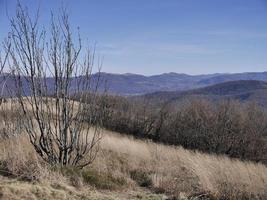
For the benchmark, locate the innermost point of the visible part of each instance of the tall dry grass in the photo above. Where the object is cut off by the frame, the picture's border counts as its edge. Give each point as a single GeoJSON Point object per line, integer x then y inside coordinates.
{"type": "Point", "coordinates": [181, 172]}
{"type": "Point", "coordinates": [172, 170]}
{"type": "Point", "coordinates": [19, 160]}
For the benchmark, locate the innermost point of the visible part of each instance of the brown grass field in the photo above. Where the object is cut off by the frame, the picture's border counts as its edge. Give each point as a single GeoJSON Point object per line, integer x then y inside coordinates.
{"type": "Point", "coordinates": [127, 168]}
{"type": "Point", "coordinates": [174, 171]}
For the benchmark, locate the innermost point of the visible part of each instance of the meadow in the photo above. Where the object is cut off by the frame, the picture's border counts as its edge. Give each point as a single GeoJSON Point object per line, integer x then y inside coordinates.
{"type": "Point", "coordinates": [128, 168]}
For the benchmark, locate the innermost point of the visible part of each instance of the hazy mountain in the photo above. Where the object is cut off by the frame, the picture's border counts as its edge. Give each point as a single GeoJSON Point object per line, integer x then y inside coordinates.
{"type": "Point", "coordinates": [261, 76]}
{"type": "Point", "coordinates": [243, 90]}
{"type": "Point", "coordinates": [134, 84]}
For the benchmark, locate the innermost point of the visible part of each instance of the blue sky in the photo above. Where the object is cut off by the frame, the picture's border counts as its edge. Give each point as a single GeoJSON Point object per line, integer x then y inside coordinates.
{"type": "Point", "coordinates": [157, 36]}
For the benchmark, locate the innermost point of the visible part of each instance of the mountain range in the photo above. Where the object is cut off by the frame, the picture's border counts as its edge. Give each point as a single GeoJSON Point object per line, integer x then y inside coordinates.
{"type": "Point", "coordinates": [134, 84]}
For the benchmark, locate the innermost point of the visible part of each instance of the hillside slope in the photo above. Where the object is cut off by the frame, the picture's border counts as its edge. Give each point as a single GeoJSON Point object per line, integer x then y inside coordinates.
{"type": "Point", "coordinates": [244, 90]}
{"type": "Point", "coordinates": [124, 164]}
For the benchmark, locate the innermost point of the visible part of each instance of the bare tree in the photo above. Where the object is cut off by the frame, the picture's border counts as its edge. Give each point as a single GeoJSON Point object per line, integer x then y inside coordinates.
{"type": "Point", "coordinates": [3, 62]}
{"type": "Point", "coordinates": [51, 79]}
{"type": "Point", "coordinates": [5, 123]}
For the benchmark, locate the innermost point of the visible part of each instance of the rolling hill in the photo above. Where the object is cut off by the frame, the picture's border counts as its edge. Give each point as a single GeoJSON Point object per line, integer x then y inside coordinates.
{"type": "Point", "coordinates": [243, 90]}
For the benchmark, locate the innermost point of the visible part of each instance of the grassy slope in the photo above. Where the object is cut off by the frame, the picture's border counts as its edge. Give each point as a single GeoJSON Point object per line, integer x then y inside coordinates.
{"type": "Point", "coordinates": [12, 189]}
{"type": "Point", "coordinates": [174, 171]}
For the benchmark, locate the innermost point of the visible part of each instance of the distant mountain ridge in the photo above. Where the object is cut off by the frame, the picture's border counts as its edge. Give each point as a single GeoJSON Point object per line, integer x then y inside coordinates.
{"type": "Point", "coordinates": [260, 76]}
{"type": "Point", "coordinates": [242, 90]}
{"type": "Point", "coordinates": [134, 84]}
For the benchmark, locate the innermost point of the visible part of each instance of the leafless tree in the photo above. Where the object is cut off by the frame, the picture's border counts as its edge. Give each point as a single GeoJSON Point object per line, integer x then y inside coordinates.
{"type": "Point", "coordinates": [3, 62]}
{"type": "Point", "coordinates": [52, 75]}
{"type": "Point", "coordinates": [9, 123]}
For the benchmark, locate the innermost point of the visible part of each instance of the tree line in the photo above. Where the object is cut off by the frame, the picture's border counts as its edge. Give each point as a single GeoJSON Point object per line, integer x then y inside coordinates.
{"type": "Point", "coordinates": [228, 127]}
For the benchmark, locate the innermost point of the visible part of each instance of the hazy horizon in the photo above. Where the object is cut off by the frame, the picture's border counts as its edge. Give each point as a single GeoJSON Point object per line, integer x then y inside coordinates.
{"type": "Point", "coordinates": [155, 37]}
{"type": "Point", "coordinates": [129, 73]}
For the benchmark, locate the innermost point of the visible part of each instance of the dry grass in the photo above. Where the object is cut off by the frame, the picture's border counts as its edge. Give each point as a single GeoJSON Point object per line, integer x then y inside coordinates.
{"type": "Point", "coordinates": [181, 172]}
{"type": "Point", "coordinates": [172, 170]}
{"type": "Point", "coordinates": [16, 190]}
{"type": "Point", "coordinates": [24, 176]}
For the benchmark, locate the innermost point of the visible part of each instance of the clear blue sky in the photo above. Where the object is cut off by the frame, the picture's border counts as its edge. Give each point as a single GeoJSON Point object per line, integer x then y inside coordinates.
{"type": "Point", "coordinates": [156, 36]}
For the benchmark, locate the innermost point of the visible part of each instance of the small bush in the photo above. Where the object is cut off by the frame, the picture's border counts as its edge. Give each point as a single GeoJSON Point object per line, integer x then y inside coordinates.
{"type": "Point", "coordinates": [92, 177]}
{"type": "Point", "coordinates": [142, 178]}
{"type": "Point", "coordinates": [74, 175]}
{"type": "Point", "coordinates": [4, 170]}
{"type": "Point", "coordinates": [27, 171]}
{"type": "Point", "coordinates": [102, 180]}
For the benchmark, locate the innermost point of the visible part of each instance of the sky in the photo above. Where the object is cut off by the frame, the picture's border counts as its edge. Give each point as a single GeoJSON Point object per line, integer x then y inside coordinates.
{"type": "Point", "coordinates": [159, 36]}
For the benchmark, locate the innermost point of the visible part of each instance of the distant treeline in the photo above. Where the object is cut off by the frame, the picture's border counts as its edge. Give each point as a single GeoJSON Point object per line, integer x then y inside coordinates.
{"type": "Point", "coordinates": [236, 129]}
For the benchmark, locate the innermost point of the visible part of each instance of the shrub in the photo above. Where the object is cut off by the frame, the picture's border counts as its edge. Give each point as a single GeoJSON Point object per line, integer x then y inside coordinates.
{"type": "Point", "coordinates": [74, 175]}
{"type": "Point", "coordinates": [92, 177]}
{"type": "Point", "coordinates": [142, 178]}
{"type": "Point", "coordinates": [102, 180]}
